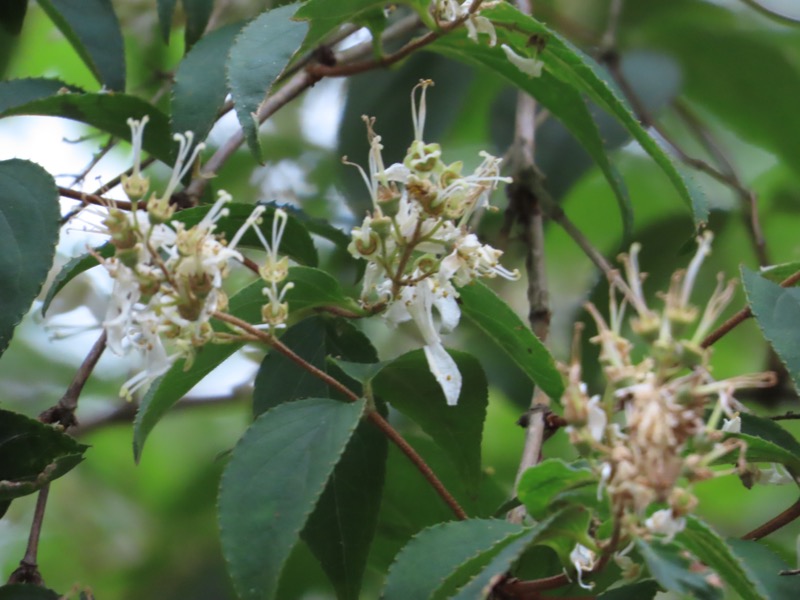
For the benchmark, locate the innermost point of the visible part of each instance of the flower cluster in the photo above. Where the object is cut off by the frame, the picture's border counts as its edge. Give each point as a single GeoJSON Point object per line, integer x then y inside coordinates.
{"type": "Point", "coordinates": [663, 443]}
{"type": "Point", "coordinates": [168, 278]}
{"type": "Point", "coordinates": [448, 11]}
{"type": "Point", "coordinates": [417, 242]}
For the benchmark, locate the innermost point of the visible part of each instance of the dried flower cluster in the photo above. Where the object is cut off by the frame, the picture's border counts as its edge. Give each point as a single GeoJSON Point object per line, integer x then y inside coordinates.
{"type": "Point", "coordinates": [417, 241]}
{"type": "Point", "coordinates": [168, 279]}
{"type": "Point", "coordinates": [647, 437]}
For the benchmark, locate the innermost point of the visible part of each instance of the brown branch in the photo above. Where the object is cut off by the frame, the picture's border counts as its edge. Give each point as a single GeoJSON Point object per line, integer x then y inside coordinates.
{"type": "Point", "coordinates": [390, 432]}
{"type": "Point", "coordinates": [741, 316]}
{"type": "Point", "coordinates": [786, 517]}
{"type": "Point", "coordinates": [93, 199]}
{"type": "Point", "coordinates": [64, 410]}
{"type": "Point", "coordinates": [372, 415]}
{"type": "Point", "coordinates": [28, 570]}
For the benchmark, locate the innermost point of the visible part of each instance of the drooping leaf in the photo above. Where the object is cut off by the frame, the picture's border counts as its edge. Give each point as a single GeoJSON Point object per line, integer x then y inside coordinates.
{"type": "Point", "coordinates": [430, 557]}
{"type": "Point", "coordinates": [712, 550]}
{"type": "Point", "coordinates": [29, 224]}
{"type": "Point", "coordinates": [565, 529]}
{"type": "Point", "coordinates": [770, 431]}
{"type": "Point", "coordinates": [92, 28]}
{"type": "Point", "coordinates": [340, 530]}
{"type": "Point", "coordinates": [32, 454]}
{"type": "Point", "coordinates": [494, 317]}
{"type": "Point", "coordinates": [197, 14]}
{"type": "Point", "coordinates": [673, 571]}
{"type": "Point", "coordinates": [258, 56]}
{"type": "Point", "coordinates": [274, 479]}
{"type": "Point", "coordinates": [72, 269]}
{"type": "Point", "coordinates": [765, 566]}
{"type": "Point", "coordinates": [408, 385]}
{"type": "Point", "coordinates": [107, 112]}
{"type": "Point", "coordinates": [777, 311]}
{"type": "Point", "coordinates": [566, 71]}
{"type": "Point", "coordinates": [361, 372]}
{"type": "Point", "coordinates": [200, 86]}
{"type": "Point", "coordinates": [540, 484]}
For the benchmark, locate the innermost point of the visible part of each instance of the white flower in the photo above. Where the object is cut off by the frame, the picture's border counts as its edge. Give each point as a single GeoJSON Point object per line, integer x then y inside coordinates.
{"type": "Point", "coordinates": [583, 559]}
{"type": "Point", "coordinates": [532, 67]}
{"type": "Point", "coordinates": [419, 301]}
{"type": "Point", "coordinates": [663, 522]}
{"type": "Point", "coordinates": [733, 425]}
{"type": "Point", "coordinates": [776, 474]}
{"type": "Point", "coordinates": [597, 419]}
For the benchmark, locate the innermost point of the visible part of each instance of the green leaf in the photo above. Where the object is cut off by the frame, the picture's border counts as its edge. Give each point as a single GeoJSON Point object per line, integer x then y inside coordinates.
{"type": "Point", "coordinates": [673, 571]}
{"type": "Point", "coordinates": [642, 590]}
{"type": "Point", "coordinates": [166, 9]}
{"type": "Point", "coordinates": [314, 288]}
{"type": "Point", "coordinates": [32, 454]}
{"type": "Point", "coordinates": [760, 450]}
{"type": "Point", "coordinates": [326, 16]}
{"type": "Point", "coordinates": [492, 315]}
{"type": "Point", "coordinates": [197, 14]}
{"type": "Point", "coordinates": [12, 15]}
{"type": "Point", "coordinates": [275, 476]}
{"type": "Point", "coordinates": [280, 379]}
{"type": "Point", "coordinates": [29, 225]}
{"type": "Point", "coordinates": [540, 484]}
{"type": "Point", "coordinates": [107, 112]}
{"type": "Point", "coordinates": [777, 311]}
{"type": "Point", "coordinates": [480, 586]}
{"type": "Point", "coordinates": [562, 99]}
{"type": "Point", "coordinates": [257, 57]}
{"type": "Point", "coordinates": [566, 528]}
{"type": "Point", "coordinates": [424, 564]}
{"type": "Point", "coordinates": [778, 273]}
{"type": "Point", "coordinates": [770, 431]}
{"type": "Point", "coordinates": [92, 28]}
{"type": "Point", "coordinates": [340, 530]}
{"type": "Point", "coordinates": [296, 242]}
{"type": "Point", "coordinates": [567, 70]}
{"type": "Point", "coordinates": [172, 386]}
{"type": "Point", "coordinates": [200, 86]}
{"type": "Point", "coordinates": [712, 550]}
{"type": "Point", "coordinates": [764, 566]}
{"type": "Point", "coordinates": [72, 269]}
{"type": "Point", "coordinates": [361, 372]}
{"type": "Point", "coordinates": [407, 384]}
{"type": "Point", "coordinates": [23, 591]}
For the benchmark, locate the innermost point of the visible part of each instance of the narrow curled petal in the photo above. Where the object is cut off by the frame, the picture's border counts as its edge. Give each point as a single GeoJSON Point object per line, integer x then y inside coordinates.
{"type": "Point", "coordinates": [445, 370]}
{"type": "Point", "coordinates": [532, 67]}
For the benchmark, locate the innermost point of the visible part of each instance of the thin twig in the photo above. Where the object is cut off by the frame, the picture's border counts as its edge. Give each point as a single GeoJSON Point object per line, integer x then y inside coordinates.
{"type": "Point", "coordinates": [786, 517]}
{"type": "Point", "coordinates": [390, 432]}
{"type": "Point", "coordinates": [28, 570]}
{"type": "Point", "coordinates": [64, 410]}
{"type": "Point", "coordinates": [789, 416]}
{"type": "Point", "coordinates": [741, 316]}
{"type": "Point", "coordinates": [523, 206]}
{"type": "Point", "coordinates": [372, 415]}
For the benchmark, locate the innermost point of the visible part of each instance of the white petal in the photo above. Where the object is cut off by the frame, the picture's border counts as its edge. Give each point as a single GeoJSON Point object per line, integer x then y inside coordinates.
{"type": "Point", "coordinates": [532, 67]}
{"type": "Point", "coordinates": [445, 371]}
{"type": "Point", "coordinates": [448, 308]}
